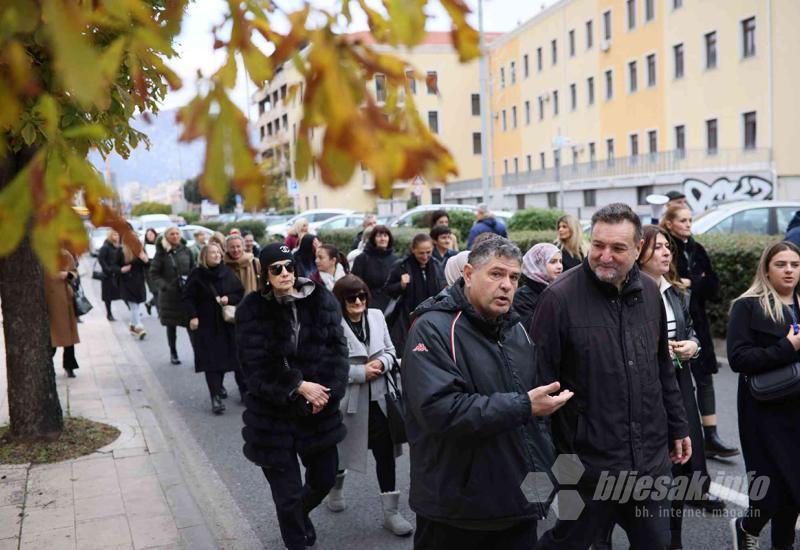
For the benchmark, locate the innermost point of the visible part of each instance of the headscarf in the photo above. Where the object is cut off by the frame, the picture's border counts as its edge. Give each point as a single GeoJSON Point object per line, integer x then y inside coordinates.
{"type": "Point", "coordinates": [454, 268]}
{"type": "Point", "coordinates": [534, 263]}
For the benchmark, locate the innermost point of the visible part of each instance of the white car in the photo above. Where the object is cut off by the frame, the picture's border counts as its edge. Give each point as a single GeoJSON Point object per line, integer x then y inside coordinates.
{"type": "Point", "coordinates": [345, 221]}
{"type": "Point", "coordinates": [407, 219]}
{"type": "Point", "coordinates": [314, 217]}
{"type": "Point", "coordinates": [754, 217]}
{"type": "Point", "coordinates": [96, 239]}
{"type": "Point", "coordinates": [188, 231]}
{"type": "Point", "coordinates": [159, 222]}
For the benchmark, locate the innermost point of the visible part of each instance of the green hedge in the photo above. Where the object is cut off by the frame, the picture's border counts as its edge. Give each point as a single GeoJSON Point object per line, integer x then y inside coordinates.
{"type": "Point", "coordinates": [534, 219]}
{"type": "Point", "coordinates": [735, 259]}
{"type": "Point", "coordinates": [460, 222]}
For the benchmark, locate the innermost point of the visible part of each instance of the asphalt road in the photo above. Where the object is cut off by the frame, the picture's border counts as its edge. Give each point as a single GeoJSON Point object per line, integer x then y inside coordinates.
{"type": "Point", "coordinates": [360, 525]}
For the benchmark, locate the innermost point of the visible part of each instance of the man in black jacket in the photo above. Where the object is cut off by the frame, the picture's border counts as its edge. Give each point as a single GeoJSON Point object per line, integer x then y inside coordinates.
{"type": "Point", "coordinates": [601, 330]}
{"type": "Point", "coordinates": [469, 380]}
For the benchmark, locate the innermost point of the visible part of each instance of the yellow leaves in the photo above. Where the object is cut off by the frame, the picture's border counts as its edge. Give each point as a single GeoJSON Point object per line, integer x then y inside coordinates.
{"type": "Point", "coordinates": [407, 20]}
{"type": "Point", "coordinates": [465, 39]}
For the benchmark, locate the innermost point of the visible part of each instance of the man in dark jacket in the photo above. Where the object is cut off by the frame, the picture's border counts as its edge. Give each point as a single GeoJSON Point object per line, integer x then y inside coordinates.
{"type": "Point", "coordinates": [471, 403]}
{"type": "Point", "coordinates": [793, 230]}
{"type": "Point", "coordinates": [601, 330]}
{"type": "Point", "coordinates": [485, 222]}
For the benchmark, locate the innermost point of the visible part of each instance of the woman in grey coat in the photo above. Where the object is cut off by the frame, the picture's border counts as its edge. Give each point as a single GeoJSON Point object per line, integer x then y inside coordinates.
{"type": "Point", "coordinates": [372, 358]}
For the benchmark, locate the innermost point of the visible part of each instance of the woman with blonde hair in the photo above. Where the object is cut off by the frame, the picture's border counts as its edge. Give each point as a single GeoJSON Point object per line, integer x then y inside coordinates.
{"type": "Point", "coordinates": [110, 259]}
{"type": "Point", "coordinates": [211, 286]}
{"type": "Point", "coordinates": [574, 247]}
{"type": "Point", "coordinates": [298, 230]}
{"type": "Point", "coordinates": [764, 337]}
{"type": "Point", "coordinates": [132, 287]}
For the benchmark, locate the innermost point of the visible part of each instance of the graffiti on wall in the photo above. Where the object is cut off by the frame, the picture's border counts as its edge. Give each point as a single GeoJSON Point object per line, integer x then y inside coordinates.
{"type": "Point", "coordinates": [702, 196]}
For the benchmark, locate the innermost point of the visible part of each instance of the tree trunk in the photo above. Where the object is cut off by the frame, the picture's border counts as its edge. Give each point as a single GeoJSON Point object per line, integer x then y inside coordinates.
{"type": "Point", "coordinates": [33, 405]}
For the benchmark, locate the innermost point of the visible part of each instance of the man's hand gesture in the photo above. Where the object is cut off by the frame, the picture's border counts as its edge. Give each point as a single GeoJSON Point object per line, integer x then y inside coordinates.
{"type": "Point", "coordinates": [544, 404]}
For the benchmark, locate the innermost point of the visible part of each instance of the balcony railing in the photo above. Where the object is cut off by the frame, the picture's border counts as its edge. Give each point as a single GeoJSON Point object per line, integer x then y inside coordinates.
{"type": "Point", "coordinates": [648, 163]}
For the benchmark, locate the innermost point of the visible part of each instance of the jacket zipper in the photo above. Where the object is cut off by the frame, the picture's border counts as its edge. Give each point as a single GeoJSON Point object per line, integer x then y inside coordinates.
{"type": "Point", "coordinates": [628, 375]}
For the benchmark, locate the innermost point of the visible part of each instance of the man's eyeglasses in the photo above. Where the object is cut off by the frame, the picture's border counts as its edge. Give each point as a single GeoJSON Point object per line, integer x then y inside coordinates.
{"type": "Point", "coordinates": [277, 269]}
{"type": "Point", "coordinates": [360, 296]}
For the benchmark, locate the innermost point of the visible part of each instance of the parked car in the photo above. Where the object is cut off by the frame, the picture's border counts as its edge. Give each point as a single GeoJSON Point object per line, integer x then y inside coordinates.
{"type": "Point", "coordinates": [407, 219]}
{"type": "Point", "coordinates": [96, 239]}
{"type": "Point", "coordinates": [314, 217]}
{"type": "Point", "coordinates": [159, 222]}
{"type": "Point", "coordinates": [345, 221]}
{"type": "Point", "coordinates": [188, 231]}
{"type": "Point", "coordinates": [757, 217]}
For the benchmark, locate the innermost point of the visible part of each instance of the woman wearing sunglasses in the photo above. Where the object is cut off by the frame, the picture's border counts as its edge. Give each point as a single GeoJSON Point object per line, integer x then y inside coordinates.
{"type": "Point", "coordinates": [372, 358]}
{"type": "Point", "coordinates": [294, 359]}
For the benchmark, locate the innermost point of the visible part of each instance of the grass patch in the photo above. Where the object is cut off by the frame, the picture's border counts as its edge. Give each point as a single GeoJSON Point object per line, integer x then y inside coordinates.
{"type": "Point", "coordinates": [80, 437]}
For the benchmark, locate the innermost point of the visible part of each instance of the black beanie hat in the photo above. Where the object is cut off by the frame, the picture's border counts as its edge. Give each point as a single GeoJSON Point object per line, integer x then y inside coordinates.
{"type": "Point", "coordinates": [274, 252]}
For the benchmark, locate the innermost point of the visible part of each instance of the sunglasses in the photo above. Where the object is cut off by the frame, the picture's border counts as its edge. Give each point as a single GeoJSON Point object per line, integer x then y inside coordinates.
{"type": "Point", "coordinates": [360, 296]}
{"type": "Point", "coordinates": [277, 269]}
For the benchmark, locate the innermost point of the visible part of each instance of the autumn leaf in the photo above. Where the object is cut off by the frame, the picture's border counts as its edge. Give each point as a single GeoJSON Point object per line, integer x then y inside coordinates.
{"type": "Point", "coordinates": [465, 39]}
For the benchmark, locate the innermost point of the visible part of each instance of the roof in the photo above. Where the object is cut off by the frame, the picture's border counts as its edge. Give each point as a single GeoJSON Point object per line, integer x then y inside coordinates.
{"type": "Point", "coordinates": [432, 38]}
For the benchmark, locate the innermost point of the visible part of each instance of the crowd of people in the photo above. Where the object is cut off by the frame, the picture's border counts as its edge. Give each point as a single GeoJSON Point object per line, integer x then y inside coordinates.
{"type": "Point", "coordinates": [598, 348]}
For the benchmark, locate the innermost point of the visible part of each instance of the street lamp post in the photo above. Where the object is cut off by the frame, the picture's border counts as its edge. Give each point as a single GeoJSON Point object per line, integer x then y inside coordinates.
{"type": "Point", "coordinates": [484, 103]}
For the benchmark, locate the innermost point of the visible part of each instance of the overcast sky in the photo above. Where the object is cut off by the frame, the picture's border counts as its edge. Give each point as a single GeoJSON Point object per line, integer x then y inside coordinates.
{"type": "Point", "coordinates": [195, 41]}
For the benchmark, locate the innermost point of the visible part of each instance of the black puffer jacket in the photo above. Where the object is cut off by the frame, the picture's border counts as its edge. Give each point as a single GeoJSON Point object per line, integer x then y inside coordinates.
{"type": "Point", "coordinates": [694, 264]}
{"type": "Point", "coordinates": [472, 434]}
{"type": "Point", "coordinates": [610, 348]}
{"type": "Point", "coordinates": [525, 301]}
{"type": "Point", "coordinates": [168, 266]}
{"type": "Point", "coordinates": [276, 421]}
{"type": "Point", "coordinates": [373, 267]}
{"type": "Point", "coordinates": [111, 261]}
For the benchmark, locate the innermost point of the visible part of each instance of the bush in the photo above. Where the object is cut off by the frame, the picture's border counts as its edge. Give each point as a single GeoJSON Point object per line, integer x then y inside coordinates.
{"type": "Point", "coordinates": [213, 226]}
{"type": "Point", "coordinates": [735, 259]}
{"type": "Point", "coordinates": [534, 219]}
{"type": "Point", "coordinates": [149, 207]}
{"type": "Point", "coordinates": [343, 238]}
{"type": "Point", "coordinates": [526, 239]}
{"type": "Point", "coordinates": [190, 217]}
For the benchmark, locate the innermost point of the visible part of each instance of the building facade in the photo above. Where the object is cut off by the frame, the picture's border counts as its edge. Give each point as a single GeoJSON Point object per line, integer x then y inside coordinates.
{"type": "Point", "coordinates": [595, 101]}
{"type": "Point", "coordinates": [451, 109]}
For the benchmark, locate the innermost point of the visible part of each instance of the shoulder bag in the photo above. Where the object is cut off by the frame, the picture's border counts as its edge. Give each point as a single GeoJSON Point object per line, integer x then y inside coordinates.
{"type": "Point", "coordinates": [82, 303]}
{"type": "Point", "coordinates": [777, 384]}
{"type": "Point", "coordinates": [97, 272]}
{"type": "Point", "coordinates": [395, 408]}
{"type": "Point", "coordinates": [228, 312]}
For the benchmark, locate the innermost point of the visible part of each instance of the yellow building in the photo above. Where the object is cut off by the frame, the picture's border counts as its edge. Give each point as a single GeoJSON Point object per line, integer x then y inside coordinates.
{"type": "Point", "coordinates": [611, 100]}
{"type": "Point", "coordinates": [453, 113]}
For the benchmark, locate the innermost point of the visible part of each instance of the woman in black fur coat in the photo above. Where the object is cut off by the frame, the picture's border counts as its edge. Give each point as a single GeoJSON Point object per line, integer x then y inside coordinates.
{"type": "Point", "coordinates": [294, 359]}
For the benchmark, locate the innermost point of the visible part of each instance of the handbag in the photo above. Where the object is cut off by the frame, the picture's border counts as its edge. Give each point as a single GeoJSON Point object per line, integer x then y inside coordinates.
{"type": "Point", "coordinates": [228, 312]}
{"type": "Point", "coordinates": [97, 273]}
{"type": "Point", "coordinates": [395, 410]}
{"type": "Point", "coordinates": [777, 384]}
{"type": "Point", "coordinates": [82, 303]}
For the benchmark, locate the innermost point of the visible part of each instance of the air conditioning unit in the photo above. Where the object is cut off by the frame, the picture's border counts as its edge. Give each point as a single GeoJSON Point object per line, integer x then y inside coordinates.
{"type": "Point", "coordinates": [605, 45]}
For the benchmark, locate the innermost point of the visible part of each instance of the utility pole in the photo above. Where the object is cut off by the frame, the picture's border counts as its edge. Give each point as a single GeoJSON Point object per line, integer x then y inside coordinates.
{"type": "Point", "coordinates": [484, 101]}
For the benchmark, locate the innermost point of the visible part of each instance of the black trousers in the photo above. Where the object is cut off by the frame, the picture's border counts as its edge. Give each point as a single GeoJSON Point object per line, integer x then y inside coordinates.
{"type": "Point", "coordinates": [172, 337]}
{"type": "Point", "coordinates": [214, 381]}
{"type": "Point", "coordinates": [379, 440]}
{"type": "Point", "coordinates": [294, 499]}
{"type": "Point", "coordinates": [704, 381]}
{"type": "Point", "coordinates": [68, 359]}
{"type": "Point", "coordinates": [783, 523]}
{"type": "Point", "coordinates": [433, 535]}
{"type": "Point", "coordinates": [645, 522]}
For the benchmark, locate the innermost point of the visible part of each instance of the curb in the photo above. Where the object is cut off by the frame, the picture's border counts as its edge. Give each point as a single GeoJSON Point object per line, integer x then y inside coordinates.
{"type": "Point", "coordinates": [222, 514]}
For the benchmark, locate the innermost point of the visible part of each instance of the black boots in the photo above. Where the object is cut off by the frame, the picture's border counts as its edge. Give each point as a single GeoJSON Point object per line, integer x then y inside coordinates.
{"type": "Point", "coordinates": [715, 446]}
{"type": "Point", "coordinates": [217, 406]}
{"type": "Point", "coordinates": [70, 372]}
{"type": "Point", "coordinates": [223, 393]}
{"type": "Point", "coordinates": [173, 358]}
{"type": "Point", "coordinates": [311, 533]}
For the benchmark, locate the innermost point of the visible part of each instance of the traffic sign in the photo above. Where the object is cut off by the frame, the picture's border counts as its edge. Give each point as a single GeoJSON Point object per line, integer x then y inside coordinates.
{"type": "Point", "coordinates": [292, 187]}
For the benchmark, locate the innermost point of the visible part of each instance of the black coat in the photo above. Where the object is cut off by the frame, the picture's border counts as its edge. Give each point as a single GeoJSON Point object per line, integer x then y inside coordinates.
{"type": "Point", "coordinates": [469, 421]}
{"type": "Point", "coordinates": [167, 267]}
{"type": "Point", "coordinates": [568, 260]}
{"type": "Point", "coordinates": [373, 267]}
{"type": "Point", "coordinates": [525, 301]}
{"type": "Point", "coordinates": [684, 330]}
{"type": "Point", "coordinates": [694, 264]}
{"type": "Point", "coordinates": [132, 284]}
{"type": "Point", "coordinates": [610, 348]}
{"type": "Point", "coordinates": [417, 291]}
{"type": "Point", "coordinates": [214, 341]}
{"type": "Point", "coordinates": [769, 432]}
{"type": "Point", "coordinates": [111, 261]}
{"type": "Point", "coordinates": [278, 422]}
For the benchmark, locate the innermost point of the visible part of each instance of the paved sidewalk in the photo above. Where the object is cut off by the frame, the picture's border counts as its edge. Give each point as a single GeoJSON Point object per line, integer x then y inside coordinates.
{"type": "Point", "coordinates": [131, 494]}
